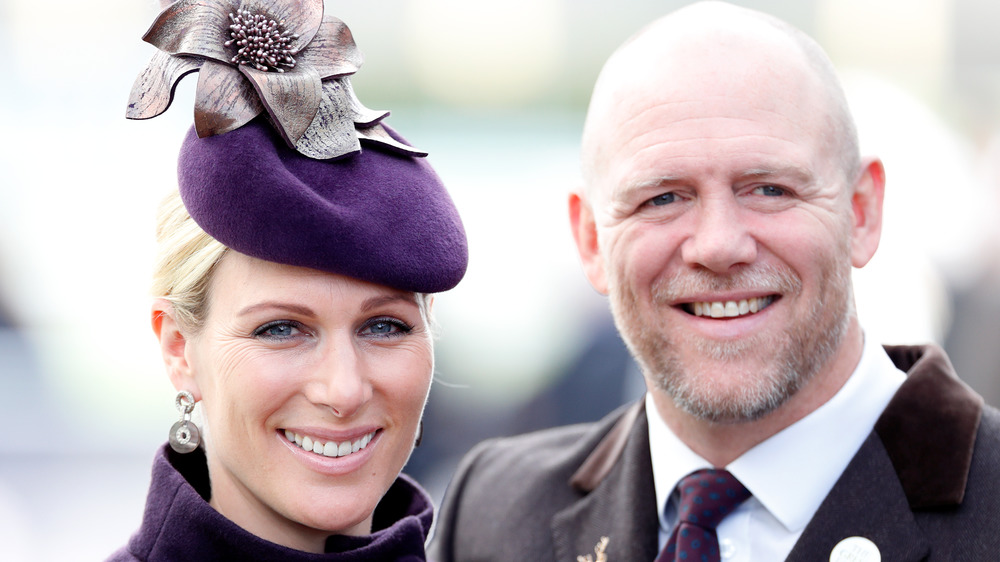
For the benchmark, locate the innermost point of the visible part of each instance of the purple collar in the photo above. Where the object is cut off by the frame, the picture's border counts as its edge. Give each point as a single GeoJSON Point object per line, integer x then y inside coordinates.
{"type": "Point", "coordinates": [179, 524]}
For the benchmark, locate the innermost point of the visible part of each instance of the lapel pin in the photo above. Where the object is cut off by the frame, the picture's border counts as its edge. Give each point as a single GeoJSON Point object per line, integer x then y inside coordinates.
{"type": "Point", "coordinates": [602, 545]}
{"type": "Point", "coordinates": [855, 549]}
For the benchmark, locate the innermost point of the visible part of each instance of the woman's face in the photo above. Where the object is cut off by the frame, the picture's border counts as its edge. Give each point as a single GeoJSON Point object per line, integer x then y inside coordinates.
{"type": "Point", "coordinates": [312, 386]}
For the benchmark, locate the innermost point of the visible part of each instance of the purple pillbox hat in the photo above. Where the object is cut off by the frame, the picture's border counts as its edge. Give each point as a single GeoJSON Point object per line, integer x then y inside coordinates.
{"type": "Point", "coordinates": [377, 216]}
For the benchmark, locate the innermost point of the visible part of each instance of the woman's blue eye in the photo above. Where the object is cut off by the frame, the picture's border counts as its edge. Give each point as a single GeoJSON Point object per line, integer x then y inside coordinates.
{"type": "Point", "coordinates": [664, 199]}
{"type": "Point", "coordinates": [386, 327]}
{"type": "Point", "coordinates": [276, 330]}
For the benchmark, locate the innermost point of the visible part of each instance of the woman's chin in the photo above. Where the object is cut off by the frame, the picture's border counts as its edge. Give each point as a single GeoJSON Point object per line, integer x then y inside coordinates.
{"type": "Point", "coordinates": [336, 520]}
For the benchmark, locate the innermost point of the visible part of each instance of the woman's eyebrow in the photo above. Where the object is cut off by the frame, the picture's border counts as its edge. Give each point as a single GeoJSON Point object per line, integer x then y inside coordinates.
{"type": "Point", "coordinates": [290, 307]}
{"type": "Point", "coordinates": [375, 302]}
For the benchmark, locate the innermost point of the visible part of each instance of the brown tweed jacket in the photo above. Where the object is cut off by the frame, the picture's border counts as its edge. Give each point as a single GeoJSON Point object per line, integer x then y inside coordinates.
{"type": "Point", "coordinates": [925, 485]}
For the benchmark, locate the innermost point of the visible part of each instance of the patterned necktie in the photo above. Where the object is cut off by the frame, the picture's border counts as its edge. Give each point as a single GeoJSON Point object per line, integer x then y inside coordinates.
{"type": "Point", "coordinates": [707, 496]}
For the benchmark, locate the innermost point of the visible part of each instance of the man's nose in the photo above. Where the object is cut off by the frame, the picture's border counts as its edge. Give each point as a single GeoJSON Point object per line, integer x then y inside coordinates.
{"type": "Point", "coordinates": [719, 239]}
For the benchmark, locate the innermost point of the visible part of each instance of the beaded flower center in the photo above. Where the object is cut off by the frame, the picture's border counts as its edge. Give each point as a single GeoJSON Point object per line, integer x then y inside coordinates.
{"type": "Point", "coordinates": [262, 42]}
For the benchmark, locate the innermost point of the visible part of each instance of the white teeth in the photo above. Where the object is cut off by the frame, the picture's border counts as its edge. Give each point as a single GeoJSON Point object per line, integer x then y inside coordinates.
{"type": "Point", "coordinates": [331, 448]}
{"type": "Point", "coordinates": [731, 309]}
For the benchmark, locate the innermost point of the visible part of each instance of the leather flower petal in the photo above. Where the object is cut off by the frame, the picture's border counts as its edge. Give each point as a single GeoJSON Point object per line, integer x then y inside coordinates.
{"type": "Point", "coordinates": [331, 134]}
{"type": "Point", "coordinates": [297, 69]}
{"type": "Point", "coordinates": [363, 117]}
{"type": "Point", "coordinates": [291, 98]}
{"type": "Point", "coordinates": [377, 133]}
{"type": "Point", "coordinates": [332, 51]}
{"type": "Point", "coordinates": [224, 101]}
{"type": "Point", "coordinates": [153, 90]}
{"type": "Point", "coordinates": [193, 27]}
{"type": "Point", "coordinates": [295, 16]}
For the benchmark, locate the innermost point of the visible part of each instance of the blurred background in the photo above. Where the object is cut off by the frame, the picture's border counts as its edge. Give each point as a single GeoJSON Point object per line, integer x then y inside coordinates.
{"type": "Point", "coordinates": [496, 93]}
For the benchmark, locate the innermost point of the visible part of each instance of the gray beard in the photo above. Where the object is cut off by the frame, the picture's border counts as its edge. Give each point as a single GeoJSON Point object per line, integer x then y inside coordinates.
{"type": "Point", "coordinates": [806, 347]}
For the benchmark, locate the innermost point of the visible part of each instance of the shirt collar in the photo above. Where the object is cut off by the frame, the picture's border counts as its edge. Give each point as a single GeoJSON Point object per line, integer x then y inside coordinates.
{"type": "Point", "coordinates": [791, 472]}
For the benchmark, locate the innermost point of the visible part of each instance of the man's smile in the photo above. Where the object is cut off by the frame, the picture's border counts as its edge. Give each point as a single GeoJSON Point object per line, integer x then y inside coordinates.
{"type": "Point", "coordinates": [730, 308]}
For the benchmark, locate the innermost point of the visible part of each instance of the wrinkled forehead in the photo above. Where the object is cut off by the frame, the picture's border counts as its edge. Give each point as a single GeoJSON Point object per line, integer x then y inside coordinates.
{"type": "Point", "coordinates": [705, 80]}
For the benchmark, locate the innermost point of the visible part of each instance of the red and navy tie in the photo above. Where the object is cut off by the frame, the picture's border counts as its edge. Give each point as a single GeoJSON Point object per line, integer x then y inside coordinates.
{"type": "Point", "coordinates": [707, 496]}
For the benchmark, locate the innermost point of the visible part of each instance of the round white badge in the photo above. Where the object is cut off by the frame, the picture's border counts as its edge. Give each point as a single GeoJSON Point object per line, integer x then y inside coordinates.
{"type": "Point", "coordinates": [855, 549]}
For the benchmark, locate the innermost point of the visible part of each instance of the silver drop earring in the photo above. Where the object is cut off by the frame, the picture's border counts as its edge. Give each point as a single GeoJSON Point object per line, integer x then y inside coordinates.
{"type": "Point", "coordinates": [184, 435]}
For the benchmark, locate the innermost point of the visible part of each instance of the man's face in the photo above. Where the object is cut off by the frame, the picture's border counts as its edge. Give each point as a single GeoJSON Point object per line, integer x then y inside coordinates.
{"type": "Point", "coordinates": [724, 228]}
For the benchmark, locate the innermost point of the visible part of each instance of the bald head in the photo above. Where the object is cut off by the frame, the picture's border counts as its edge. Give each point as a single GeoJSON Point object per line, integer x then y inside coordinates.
{"type": "Point", "coordinates": [713, 50]}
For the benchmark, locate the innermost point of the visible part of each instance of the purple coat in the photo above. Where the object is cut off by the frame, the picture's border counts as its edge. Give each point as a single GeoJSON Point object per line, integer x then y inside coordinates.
{"type": "Point", "coordinates": [179, 524]}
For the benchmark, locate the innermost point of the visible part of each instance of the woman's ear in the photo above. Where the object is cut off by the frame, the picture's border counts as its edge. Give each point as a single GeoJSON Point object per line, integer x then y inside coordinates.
{"type": "Point", "coordinates": [866, 206]}
{"type": "Point", "coordinates": [584, 227]}
{"type": "Point", "coordinates": [174, 348]}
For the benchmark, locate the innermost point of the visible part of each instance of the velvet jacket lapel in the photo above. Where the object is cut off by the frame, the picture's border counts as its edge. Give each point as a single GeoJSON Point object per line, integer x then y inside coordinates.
{"type": "Point", "coordinates": [618, 500]}
{"type": "Point", "coordinates": [917, 459]}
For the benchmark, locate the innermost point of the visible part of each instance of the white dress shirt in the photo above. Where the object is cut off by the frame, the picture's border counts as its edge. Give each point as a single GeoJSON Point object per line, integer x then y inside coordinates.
{"type": "Point", "coordinates": [790, 473]}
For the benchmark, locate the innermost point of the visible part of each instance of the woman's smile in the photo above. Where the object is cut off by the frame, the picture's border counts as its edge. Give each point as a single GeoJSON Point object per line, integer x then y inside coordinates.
{"type": "Point", "coordinates": [331, 448]}
{"type": "Point", "coordinates": [363, 451]}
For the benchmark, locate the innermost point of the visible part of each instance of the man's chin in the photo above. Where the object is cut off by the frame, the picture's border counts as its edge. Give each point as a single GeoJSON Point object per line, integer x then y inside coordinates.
{"type": "Point", "coordinates": [719, 410]}
{"type": "Point", "coordinates": [730, 393]}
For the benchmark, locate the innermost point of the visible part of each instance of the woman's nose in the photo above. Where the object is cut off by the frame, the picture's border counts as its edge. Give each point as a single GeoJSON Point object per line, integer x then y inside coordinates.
{"type": "Point", "coordinates": [720, 238]}
{"type": "Point", "coordinates": [340, 382]}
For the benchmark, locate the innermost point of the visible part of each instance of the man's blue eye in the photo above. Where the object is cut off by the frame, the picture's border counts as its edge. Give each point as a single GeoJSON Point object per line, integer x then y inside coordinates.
{"type": "Point", "coordinates": [665, 199]}
{"type": "Point", "coordinates": [770, 191]}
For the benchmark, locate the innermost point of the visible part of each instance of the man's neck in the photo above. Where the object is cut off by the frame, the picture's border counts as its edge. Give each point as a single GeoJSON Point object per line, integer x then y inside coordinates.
{"type": "Point", "coordinates": [722, 443]}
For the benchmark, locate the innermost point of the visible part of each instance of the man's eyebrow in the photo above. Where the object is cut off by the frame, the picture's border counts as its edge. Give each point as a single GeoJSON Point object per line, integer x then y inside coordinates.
{"type": "Point", "coordinates": [661, 181]}
{"type": "Point", "coordinates": [795, 172]}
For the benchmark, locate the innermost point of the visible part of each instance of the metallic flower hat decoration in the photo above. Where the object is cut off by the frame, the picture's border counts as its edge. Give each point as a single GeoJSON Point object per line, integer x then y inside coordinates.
{"type": "Point", "coordinates": [282, 56]}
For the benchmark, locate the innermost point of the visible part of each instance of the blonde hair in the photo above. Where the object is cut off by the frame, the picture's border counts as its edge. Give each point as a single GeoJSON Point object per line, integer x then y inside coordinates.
{"type": "Point", "coordinates": [186, 258]}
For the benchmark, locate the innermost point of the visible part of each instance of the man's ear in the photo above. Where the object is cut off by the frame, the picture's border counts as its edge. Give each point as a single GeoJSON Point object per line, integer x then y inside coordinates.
{"type": "Point", "coordinates": [866, 208]}
{"type": "Point", "coordinates": [174, 348]}
{"type": "Point", "coordinates": [584, 227]}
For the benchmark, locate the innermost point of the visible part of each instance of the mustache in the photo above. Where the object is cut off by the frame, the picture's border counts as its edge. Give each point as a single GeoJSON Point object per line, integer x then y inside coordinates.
{"type": "Point", "coordinates": [758, 278]}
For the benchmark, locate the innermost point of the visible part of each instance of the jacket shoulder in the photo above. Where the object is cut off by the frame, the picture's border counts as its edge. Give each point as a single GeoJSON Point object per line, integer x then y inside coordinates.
{"type": "Point", "coordinates": [944, 444]}
{"type": "Point", "coordinates": [984, 474]}
{"type": "Point", "coordinates": [971, 529]}
{"type": "Point", "coordinates": [504, 471]}
{"type": "Point", "coordinates": [501, 501]}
